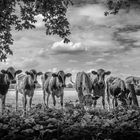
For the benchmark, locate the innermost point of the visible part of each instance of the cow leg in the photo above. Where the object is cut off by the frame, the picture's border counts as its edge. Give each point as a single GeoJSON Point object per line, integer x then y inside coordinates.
{"type": "Point", "coordinates": [108, 98]}
{"type": "Point", "coordinates": [54, 101]}
{"type": "Point", "coordinates": [48, 95]}
{"type": "Point", "coordinates": [94, 103]}
{"type": "Point", "coordinates": [44, 98]}
{"type": "Point", "coordinates": [103, 101]}
{"type": "Point", "coordinates": [16, 100]}
{"type": "Point", "coordinates": [80, 96]}
{"type": "Point", "coordinates": [30, 102]}
{"type": "Point", "coordinates": [113, 102]}
{"type": "Point", "coordinates": [61, 100]}
{"type": "Point", "coordinates": [130, 98]}
{"type": "Point", "coordinates": [24, 101]}
{"type": "Point", "coordinates": [3, 103]}
{"type": "Point", "coordinates": [116, 102]}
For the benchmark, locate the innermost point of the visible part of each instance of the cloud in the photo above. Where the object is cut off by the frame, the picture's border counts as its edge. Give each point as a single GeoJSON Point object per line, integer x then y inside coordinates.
{"type": "Point", "coordinates": [72, 61]}
{"type": "Point", "coordinates": [90, 63]}
{"type": "Point", "coordinates": [30, 63]}
{"type": "Point", "coordinates": [97, 41]}
{"type": "Point", "coordinates": [43, 53]}
{"type": "Point", "coordinates": [39, 23]}
{"type": "Point", "coordinates": [100, 60]}
{"type": "Point", "coordinates": [54, 69]}
{"type": "Point", "coordinates": [68, 48]}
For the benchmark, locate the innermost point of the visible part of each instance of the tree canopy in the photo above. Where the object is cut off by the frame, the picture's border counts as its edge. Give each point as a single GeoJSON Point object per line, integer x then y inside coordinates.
{"type": "Point", "coordinates": [115, 5]}
{"type": "Point", "coordinates": [53, 11]}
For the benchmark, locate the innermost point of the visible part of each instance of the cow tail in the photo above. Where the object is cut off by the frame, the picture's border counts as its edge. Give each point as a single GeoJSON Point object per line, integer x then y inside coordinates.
{"type": "Point", "coordinates": [107, 90]}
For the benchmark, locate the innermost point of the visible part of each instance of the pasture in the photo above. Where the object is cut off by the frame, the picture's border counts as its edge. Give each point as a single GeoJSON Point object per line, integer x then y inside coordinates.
{"type": "Point", "coordinates": [69, 95]}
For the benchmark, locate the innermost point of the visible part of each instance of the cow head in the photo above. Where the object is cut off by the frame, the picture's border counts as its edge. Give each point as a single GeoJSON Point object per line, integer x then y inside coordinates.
{"type": "Point", "coordinates": [122, 97]}
{"type": "Point", "coordinates": [101, 76]}
{"type": "Point", "coordinates": [33, 73]}
{"type": "Point", "coordinates": [61, 77]}
{"type": "Point", "coordinates": [46, 75]}
{"type": "Point", "coordinates": [88, 100]}
{"type": "Point", "coordinates": [11, 73]}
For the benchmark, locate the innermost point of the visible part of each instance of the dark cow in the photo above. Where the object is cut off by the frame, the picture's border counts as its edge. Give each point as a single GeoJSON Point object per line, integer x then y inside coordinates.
{"type": "Point", "coordinates": [53, 84]}
{"type": "Point", "coordinates": [6, 77]}
{"type": "Point", "coordinates": [99, 85]}
{"type": "Point", "coordinates": [117, 90]}
{"type": "Point", "coordinates": [133, 89]}
{"type": "Point", "coordinates": [26, 86]}
{"type": "Point", "coordinates": [84, 88]}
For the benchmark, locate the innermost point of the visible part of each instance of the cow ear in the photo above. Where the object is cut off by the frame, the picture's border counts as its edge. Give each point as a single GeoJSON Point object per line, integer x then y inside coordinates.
{"type": "Point", "coordinates": [94, 72]}
{"type": "Point", "coordinates": [107, 72]}
{"type": "Point", "coordinates": [18, 71]}
{"type": "Point", "coordinates": [4, 71]}
{"type": "Point", "coordinates": [39, 73]}
{"type": "Point", "coordinates": [54, 75]}
{"type": "Point", "coordinates": [68, 75]}
{"type": "Point", "coordinates": [45, 76]}
{"type": "Point", "coordinates": [28, 73]}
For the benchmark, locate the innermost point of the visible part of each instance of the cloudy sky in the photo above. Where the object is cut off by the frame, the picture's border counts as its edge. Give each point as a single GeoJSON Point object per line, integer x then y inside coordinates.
{"type": "Point", "coordinates": [97, 41]}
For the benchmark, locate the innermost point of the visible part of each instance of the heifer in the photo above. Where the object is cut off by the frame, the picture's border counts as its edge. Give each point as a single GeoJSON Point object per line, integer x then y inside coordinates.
{"type": "Point", "coordinates": [117, 90]}
{"type": "Point", "coordinates": [84, 88]}
{"type": "Point", "coordinates": [54, 85]}
{"type": "Point", "coordinates": [6, 77]}
{"type": "Point", "coordinates": [99, 85]}
{"type": "Point", "coordinates": [133, 89]}
{"type": "Point", "coordinates": [26, 86]}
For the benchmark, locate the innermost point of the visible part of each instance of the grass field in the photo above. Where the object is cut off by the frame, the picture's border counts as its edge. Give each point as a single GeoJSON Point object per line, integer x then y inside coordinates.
{"type": "Point", "coordinates": [69, 95]}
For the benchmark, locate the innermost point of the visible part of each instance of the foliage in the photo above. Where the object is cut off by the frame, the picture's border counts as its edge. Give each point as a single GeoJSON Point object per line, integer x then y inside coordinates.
{"type": "Point", "coordinates": [115, 5]}
{"type": "Point", "coordinates": [72, 122]}
{"type": "Point", "coordinates": [21, 15]}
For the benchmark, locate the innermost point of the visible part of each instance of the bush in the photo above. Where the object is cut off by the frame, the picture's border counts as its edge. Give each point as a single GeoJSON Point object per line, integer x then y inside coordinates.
{"type": "Point", "coordinates": [72, 122]}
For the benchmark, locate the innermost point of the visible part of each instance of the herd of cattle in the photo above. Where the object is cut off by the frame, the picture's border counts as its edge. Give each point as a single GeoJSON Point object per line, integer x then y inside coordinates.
{"type": "Point", "coordinates": [89, 86]}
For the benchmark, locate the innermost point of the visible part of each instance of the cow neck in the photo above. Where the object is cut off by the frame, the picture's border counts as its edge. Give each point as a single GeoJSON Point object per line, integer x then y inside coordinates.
{"type": "Point", "coordinates": [56, 83]}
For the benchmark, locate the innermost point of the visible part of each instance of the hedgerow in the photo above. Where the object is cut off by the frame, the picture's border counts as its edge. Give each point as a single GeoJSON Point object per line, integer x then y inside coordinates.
{"type": "Point", "coordinates": [70, 123]}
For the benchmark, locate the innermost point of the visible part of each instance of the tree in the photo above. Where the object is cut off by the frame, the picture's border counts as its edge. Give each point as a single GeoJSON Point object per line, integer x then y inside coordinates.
{"type": "Point", "coordinates": [53, 11]}
{"type": "Point", "coordinates": [115, 5]}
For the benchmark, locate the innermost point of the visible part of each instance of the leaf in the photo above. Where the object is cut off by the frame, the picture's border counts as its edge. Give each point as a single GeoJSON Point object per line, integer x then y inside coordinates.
{"type": "Point", "coordinates": [27, 131]}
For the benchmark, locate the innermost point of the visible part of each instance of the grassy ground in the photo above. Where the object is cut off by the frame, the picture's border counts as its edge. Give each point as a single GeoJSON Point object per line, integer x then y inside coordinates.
{"type": "Point", "coordinates": [69, 95]}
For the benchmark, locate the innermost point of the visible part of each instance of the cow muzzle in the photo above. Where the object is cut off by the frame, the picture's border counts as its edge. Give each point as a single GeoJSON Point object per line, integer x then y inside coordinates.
{"type": "Point", "coordinates": [35, 82]}
{"type": "Point", "coordinates": [63, 85]}
{"type": "Point", "coordinates": [101, 84]}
